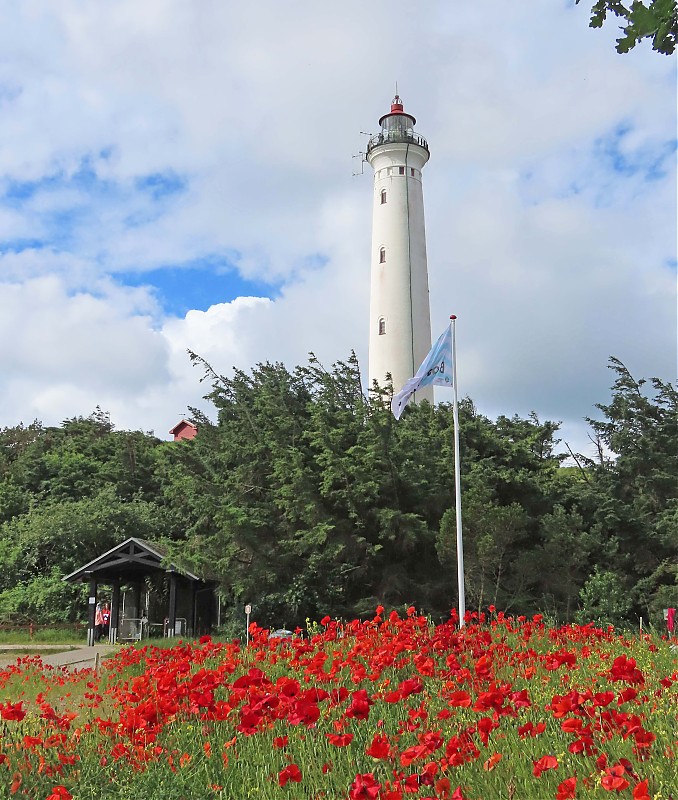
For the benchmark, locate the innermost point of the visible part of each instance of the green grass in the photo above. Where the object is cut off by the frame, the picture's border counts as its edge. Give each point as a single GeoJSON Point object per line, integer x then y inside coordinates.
{"type": "Point", "coordinates": [43, 636]}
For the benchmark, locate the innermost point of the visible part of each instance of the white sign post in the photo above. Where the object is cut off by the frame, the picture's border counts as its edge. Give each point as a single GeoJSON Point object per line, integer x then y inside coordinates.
{"type": "Point", "coordinates": [248, 611]}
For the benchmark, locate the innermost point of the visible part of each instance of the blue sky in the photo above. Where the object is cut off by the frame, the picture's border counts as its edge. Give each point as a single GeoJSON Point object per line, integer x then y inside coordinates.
{"type": "Point", "coordinates": [174, 178]}
{"type": "Point", "coordinates": [196, 286]}
{"type": "Point", "coordinates": [650, 162]}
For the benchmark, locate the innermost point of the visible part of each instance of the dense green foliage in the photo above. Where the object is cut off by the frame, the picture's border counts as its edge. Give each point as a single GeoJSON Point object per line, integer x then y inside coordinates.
{"type": "Point", "coordinates": [656, 20]}
{"type": "Point", "coordinates": [307, 498]}
{"type": "Point", "coordinates": [66, 495]}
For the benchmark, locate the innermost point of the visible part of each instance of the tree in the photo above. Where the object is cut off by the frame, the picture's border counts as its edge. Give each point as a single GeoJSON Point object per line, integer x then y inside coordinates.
{"type": "Point", "coordinates": [635, 487]}
{"type": "Point", "coordinates": [566, 548]}
{"type": "Point", "coordinates": [658, 21]}
{"type": "Point", "coordinates": [45, 599]}
{"type": "Point", "coordinates": [604, 599]}
{"type": "Point", "coordinates": [74, 461]}
{"type": "Point", "coordinates": [492, 537]}
{"type": "Point", "coordinates": [52, 539]}
{"type": "Point", "coordinates": [305, 497]}
{"type": "Point", "coordinates": [308, 497]}
{"type": "Point", "coordinates": [245, 487]}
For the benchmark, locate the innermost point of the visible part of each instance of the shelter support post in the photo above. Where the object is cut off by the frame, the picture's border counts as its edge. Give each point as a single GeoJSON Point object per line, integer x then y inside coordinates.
{"type": "Point", "coordinates": [115, 613]}
{"type": "Point", "coordinates": [172, 611]}
{"type": "Point", "coordinates": [194, 612]}
{"type": "Point", "coordinates": [92, 609]}
{"type": "Point", "coordinates": [137, 600]}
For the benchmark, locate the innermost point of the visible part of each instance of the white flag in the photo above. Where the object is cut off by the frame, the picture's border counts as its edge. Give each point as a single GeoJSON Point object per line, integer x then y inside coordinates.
{"type": "Point", "coordinates": [436, 369]}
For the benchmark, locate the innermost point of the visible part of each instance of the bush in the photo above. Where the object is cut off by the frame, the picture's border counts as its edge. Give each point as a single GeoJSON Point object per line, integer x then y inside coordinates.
{"type": "Point", "coordinates": [46, 599]}
{"type": "Point", "coordinates": [603, 599]}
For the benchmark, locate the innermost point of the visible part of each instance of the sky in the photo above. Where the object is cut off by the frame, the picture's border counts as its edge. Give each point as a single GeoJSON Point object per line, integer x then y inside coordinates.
{"type": "Point", "coordinates": [179, 176]}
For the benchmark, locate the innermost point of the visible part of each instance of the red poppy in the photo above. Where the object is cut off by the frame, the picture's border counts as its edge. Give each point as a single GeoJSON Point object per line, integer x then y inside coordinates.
{"type": "Point", "coordinates": [303, 713]}
{"type": "Point", "coordinates": [411, 686]}
{"type": "Point", "coordinates": [643, 739]}
{"type": "Point", "coordinates": [572, 725]}
{"type": "Point", "coordinates": [492, 762]}
{"type": "Point", "coordinates": [554, 661]}
{"type": "Point", "coordinates": [380, 747]}
{"type": "Point", "coordinates": [603, 698]}
{"type": "Point", "coordinates": [628, 694]}
{"type": "Point", "coordinates": [340, 740]}
{"type": "Point", "coordinates": [545, 763]}
{"type": "Point", "coordinates": [16, 783]}
{"type": "Point", "coordinates": [289, 773]}
{"type": "Point", "coordinates": [625, 669]}
{"type": "Point", "coordinates": [12, 711]}
{"type": "Point", "coordinates": [360, 705]}
{"type": "Point", "coordinates": [485, 726]}
{"type": "Point", "coordinates": [412, 754]}
{"type": "Point", "coordinates": [567, 789]}
{"type": "Point", "coordinates": [364, 787]}
{"type": "Point", "coordinates": [59, 793]}
{"type": "Point", "coordinates": [613, 780]}
{"type": "Point", "coordinates": [459, 700]}
{"type": "Point", "coordinates": [484, 667]}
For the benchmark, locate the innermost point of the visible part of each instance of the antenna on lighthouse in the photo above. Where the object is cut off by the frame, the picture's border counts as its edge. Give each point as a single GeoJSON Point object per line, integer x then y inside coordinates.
{"type": "Point", "coordinates": [363, 158]}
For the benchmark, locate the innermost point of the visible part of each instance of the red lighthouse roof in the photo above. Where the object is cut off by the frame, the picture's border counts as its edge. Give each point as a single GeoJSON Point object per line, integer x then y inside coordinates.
{"type": "Point", "coordinates": [397, 108]}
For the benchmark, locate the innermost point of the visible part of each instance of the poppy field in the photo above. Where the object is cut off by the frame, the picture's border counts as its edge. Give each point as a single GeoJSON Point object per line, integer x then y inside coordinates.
{"type": "Point", "coordinates": [394, 707]}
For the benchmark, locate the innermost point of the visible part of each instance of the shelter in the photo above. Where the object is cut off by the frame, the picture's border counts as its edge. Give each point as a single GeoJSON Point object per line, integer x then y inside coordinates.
{"type": "Point", "coordinates": [192, 602]}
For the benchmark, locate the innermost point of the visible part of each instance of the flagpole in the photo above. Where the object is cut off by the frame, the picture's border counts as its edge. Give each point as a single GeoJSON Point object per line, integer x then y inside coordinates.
{"type": "Point", "coordinates": [457, 479]}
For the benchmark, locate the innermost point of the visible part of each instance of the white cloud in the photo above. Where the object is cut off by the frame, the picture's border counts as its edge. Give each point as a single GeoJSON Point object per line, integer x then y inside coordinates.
{"type": "Point", "coordinates": [552, 259]}
{"type": "Point", "coordinates": [91, 346]}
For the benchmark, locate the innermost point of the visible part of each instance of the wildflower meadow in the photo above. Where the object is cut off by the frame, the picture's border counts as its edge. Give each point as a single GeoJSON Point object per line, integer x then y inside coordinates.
{"type": "Point", "coordinates": [394, 707]}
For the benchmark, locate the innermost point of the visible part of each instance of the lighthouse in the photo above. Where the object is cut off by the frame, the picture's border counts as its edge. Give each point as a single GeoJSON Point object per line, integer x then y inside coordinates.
{"type": "Point", "coordinates": [400, 317]}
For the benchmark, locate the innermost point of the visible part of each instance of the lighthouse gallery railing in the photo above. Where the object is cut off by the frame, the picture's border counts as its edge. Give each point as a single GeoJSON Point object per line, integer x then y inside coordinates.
{"type": "Point", "coordinates": [396, 136]}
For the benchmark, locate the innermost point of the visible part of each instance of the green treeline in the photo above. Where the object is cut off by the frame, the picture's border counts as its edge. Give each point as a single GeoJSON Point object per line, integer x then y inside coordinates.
{"type": "Point", "coordinates": [307, 498]}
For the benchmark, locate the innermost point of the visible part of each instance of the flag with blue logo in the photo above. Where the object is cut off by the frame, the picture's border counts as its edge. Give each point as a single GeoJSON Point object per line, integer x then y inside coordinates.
{"type": "Point", "coordinates": [436, 370]}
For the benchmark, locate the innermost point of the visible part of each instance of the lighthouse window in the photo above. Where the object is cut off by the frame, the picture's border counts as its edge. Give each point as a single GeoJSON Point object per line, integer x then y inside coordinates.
{"type": "Point", "coordinates": [401, 170]}
{"type": "Point", "coordinates": [412, 171]}
{"type": "Point", "coordinates": [383, 196]}
{"type": "Point", "coordinates": [382, 255]}
{"type": "Point", "coordinates": [382, 326]}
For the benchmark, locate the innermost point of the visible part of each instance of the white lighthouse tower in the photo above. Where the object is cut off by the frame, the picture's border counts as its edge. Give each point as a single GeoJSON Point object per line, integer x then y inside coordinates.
{"type": "Point", "coordinates": [400, 318]}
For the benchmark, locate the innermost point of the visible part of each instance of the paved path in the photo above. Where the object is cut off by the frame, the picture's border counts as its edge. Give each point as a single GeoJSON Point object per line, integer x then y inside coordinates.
{"type": "Point", "coordinates": [80, 657]}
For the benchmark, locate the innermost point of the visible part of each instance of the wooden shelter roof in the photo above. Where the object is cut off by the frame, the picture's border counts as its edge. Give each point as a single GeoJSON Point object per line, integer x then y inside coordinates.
{"type": "Point", "coordinates": [133, 559]}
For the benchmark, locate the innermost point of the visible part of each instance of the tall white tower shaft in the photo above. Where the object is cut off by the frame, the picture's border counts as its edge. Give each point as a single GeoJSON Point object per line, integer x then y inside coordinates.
{"type": "Point", "coordinates": [400, 317]}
